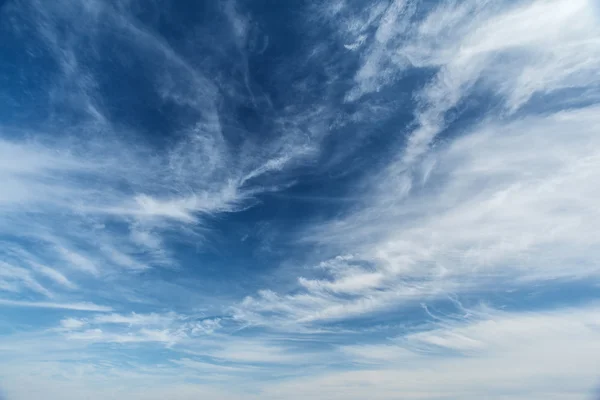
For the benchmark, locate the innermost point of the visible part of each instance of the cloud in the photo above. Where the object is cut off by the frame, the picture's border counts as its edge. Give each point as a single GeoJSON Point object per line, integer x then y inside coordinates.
{"type": "Point", "coordinates": [493, 352]}
{"type": "Point", "coordinates": [86, 197]}
{"type": "Point", "coordinates": [13, 278]}
{"type": "Point", "coordinates": [62, 306]}
{"type": "Point", "coordinates": [487, 353]}
{"type": "Point", "coordinates": [207, 368]}
{"type": "Point", "coordinates": [490, 353]}
{"type": "Point", "coordinates": [110, 195]}
{"type": "Point", "coordinates": [257, 351]}
{"type": "Point", "coordinates": [507, 200]}
{"type": "Point", "coordinates": [515, 52]}
{"type": "Point", "coordinates": [132, 320]}
{"type": "Point", "coordinates": [491, 209]}
{"type": "Point", "coordinates": [54, 275]}
{"type": "Point", "coordinates": [137, 319]}
{"type": "Point", "coordinates": [168, 328]}
{"type": "Point", "coordinates": [72, 323]}
{"type": "Point", "coordinates": [142, 336]}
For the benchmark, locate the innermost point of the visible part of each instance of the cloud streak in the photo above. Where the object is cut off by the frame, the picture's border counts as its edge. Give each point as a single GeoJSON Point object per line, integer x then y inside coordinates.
{"type": "Point", "coordinates": [477, 219]}
{"type": "Point", "coordinates": [60, 306]}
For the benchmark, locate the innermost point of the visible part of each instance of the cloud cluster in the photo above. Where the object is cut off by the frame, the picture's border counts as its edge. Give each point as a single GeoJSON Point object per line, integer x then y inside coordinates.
{"type": "Point", "coordinates": [507, 202]}
{"type": "Point", "coordinates": [476, 352]}
{"type": "Point", "coordinates": [492, 354]}
{"type": "Point", "coordinates": [168, 329]}
{"type": "Point", "coordinates": [88, 196]}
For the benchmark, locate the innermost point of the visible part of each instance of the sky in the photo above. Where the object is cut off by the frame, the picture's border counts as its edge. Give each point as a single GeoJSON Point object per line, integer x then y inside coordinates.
{"type": "Point", "coordinates": [264, 199]}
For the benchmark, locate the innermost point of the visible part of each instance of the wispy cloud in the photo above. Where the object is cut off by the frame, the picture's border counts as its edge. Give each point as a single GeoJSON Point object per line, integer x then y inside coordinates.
{"type": "Point", "coordinates": [492, 353]}
{"type": "Point", "coordinates": [487, 353]}
{"type": "Point", "coordinates": [99, 202]}
{"type": "Point", "coordinates": [461, 135]}
{"type": "Point", "coordinates": [62, 306]}
{"type": "Point", "coordinates": [167, 328]}
{"type": "Point", "coordinates": [489, 210]}
{"type": "Point", "coordinates": [507, 200]}
{"type": "Point", "coordinates": [514, 52]}
{"type": "Point", "coordinates": [137, 319]}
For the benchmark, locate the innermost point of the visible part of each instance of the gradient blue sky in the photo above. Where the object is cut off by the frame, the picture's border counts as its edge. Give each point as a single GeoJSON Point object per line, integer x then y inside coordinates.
{"type": "Point", "coordinates": [264, 199]}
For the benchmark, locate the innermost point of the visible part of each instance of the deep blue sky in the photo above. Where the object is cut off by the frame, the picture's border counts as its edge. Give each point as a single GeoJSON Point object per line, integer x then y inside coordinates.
{"type": "Point", "coordinates": [299, 199]}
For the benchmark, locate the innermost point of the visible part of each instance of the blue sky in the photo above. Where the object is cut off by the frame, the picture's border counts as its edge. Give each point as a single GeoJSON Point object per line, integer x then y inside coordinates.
{"type": "Point", "coordinates": [308, 199]}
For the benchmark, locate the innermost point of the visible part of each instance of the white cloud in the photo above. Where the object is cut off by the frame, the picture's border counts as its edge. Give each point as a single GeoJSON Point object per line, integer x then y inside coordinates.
{"type": "Point", "coordinates": [516, 51]}
{"type": "Point", "coordinates": [63, 306]}
{"type": "Point", "coordinates": [144, 335]}
{"type": "Point", "coordinates": [77, 260]}
{"type": "Point", "coordinates": [123, 259]}
{"type": "Point", "coordinates": [495, 355]}
{"type": "Point", "coordinates": [507, 201]}
{"type": "Point", "coordinates": [206, 326]}
{"type": "Point", "coordinates": [166, 329]}
{"type": "Point", "coordinates": [72, 324]}
{"type": "Point", "coordinates": [208, 368]}
{"type": "Point", "coordinates": [492, 354]}
{"type": "Point", "coordinates": [73, 189]}
{"type": "Point", "coordinates": [528, 354]}
{"type": "Point", "coordinates": [134, 319]}
{"type": "Point", "coordinates": [254, 351]}
{"type": "Point", "coordinates": [15, 277]}
{"type": "Point", "coordinates": [54, 275]}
